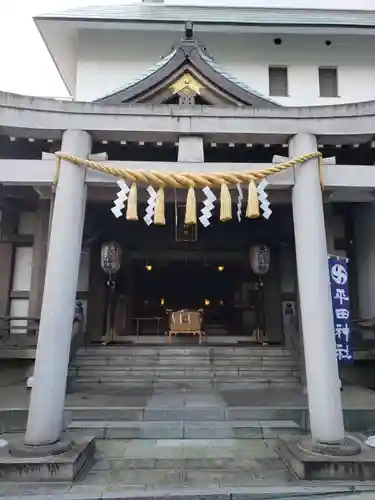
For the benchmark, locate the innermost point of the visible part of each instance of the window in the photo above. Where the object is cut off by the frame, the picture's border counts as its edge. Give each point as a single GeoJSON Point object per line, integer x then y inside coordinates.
{"type": "Point", "coordinates": [278, 81]}
{"type": "Point", "coordinates": [328, 82]}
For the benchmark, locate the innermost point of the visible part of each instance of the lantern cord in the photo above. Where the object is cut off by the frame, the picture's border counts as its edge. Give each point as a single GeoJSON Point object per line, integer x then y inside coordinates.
{"type": "Point", "coordinates": [175, 209]}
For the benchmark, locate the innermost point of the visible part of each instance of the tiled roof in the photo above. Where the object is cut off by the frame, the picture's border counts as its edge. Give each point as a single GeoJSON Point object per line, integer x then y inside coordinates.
{"type": "Point", "coordinates": [188, 50]}
{"type": "Point", "coordinates": [232, 78]}
{"type": "Point", "coordinates": [207, 59]}
{"type": "Point", "coordinates": [146, 74]}
{"type": "Point", "coordinates": [140, 12]}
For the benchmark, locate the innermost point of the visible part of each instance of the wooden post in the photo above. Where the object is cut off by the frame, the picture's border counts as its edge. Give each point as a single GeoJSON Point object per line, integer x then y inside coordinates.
{"type": "Point", "coordinates": [9, 222]}
{"type": "Point", "coordinates": [39, 258]}
{"type": "Point", "coordinates": [273, 300]}
{"type": "Point", "coordinates": [96, 302]}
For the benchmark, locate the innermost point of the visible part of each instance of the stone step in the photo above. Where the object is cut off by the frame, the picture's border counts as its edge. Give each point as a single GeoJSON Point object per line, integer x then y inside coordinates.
{"type": "Point", "coordinates": [187, 357]}
{"type": "Point", "coordinates": [182, 482]}
{"type": "Point", "coordinates": [85, 383]}
{"type": "Point", "coordinates": [182, 373]}
{"type": "Point", "coordinates": [245, 363]}
{"type": "Point", "coordinates": [266, 429]}
{"type": "Point", "coordinates": [134, 362]}
{"type": "Point", "coordinates": [187, 469]}
{"type": "Point", "coordinates": [184, 413]}
{"type": "Point", "coordinates": [156, 356]}
{"type": "Point", "coordinates": [201, 351]}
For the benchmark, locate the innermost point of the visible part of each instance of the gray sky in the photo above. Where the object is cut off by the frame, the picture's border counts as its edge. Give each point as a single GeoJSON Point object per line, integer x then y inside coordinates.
{"type": "Point", "coordinates": [27, 67]}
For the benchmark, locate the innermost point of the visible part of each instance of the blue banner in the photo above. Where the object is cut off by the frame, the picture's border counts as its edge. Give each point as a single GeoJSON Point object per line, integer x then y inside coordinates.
{"type": "Point", "coordinates": [339, 277]}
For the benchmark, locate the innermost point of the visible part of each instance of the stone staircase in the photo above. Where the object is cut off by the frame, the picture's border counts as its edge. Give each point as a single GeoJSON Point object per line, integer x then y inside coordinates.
{"type": "Point", "coordinates": [252, 367]}
{"type": "Point", "coordinates": [183, 392]}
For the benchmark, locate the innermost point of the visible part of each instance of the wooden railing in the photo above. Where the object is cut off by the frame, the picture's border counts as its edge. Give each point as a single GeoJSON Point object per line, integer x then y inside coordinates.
{"type": "Point", "coordinates": [362, 333]}
{"type": "Point", "coordinates": [22, 331]}
{"type": "Point", "coordinates": [19, 330]}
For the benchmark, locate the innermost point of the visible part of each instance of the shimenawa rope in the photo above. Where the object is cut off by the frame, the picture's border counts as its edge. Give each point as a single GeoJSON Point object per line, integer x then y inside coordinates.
{"type": "Point", "coordinates": [189, 180]}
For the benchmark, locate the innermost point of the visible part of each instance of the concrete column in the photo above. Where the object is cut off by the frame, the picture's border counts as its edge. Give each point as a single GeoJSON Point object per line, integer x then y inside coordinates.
{"type": "Point", "coordinates": [322, 378]}
{"type": "Point", "coordinates": [190, 149]}
{"type": "Point", "coordinates": [45, 421]}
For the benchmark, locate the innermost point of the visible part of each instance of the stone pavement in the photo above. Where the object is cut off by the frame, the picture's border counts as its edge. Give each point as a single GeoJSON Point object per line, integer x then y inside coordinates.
{"type": "Point", "coordinates": [198, 463]}
{"type": "Point", "coordinates": [132, 468]}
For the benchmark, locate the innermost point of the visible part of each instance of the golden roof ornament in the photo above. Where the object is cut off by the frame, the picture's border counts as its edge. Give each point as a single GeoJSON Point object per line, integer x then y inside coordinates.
{"type": "Point", "coordinates": [186, 83]}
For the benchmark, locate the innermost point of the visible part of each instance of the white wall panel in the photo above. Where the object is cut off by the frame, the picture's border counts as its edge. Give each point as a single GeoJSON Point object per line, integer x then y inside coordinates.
{"type": "Point", "coordinates": [110, 60]}
{"type": "Point", "coordinates": [19, 308]}
{"type": "Point", "coordinates": [23, 260]}
{"type": "Point", "coordinates": [27, 223]}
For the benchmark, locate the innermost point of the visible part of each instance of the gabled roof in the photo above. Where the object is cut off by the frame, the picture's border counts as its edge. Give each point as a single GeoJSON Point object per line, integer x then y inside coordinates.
{"type": "Point", "coordinates": [188, 56]}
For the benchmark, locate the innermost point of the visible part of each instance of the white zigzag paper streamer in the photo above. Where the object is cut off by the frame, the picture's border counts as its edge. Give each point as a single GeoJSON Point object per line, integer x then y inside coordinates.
{"type": "Point", "coordinates": [208, 207]}
{"type": "Point", "coordinates": [151, 203]}
{"type": "Point", "coordinates": [122, 196]}
{"type": "Point", "coordinates": [239, 202]}
{"type": "Point", "coordinates": [263, 198]}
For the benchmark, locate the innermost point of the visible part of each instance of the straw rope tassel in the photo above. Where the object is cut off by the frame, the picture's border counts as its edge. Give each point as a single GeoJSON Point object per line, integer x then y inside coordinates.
{"type": "Point", "coordinates": [252, 211]}
{"type": "Point", "coordinates": [191, 207]}
{"type": "Point", "coordinates": [225, 203]}
{"type": "Point", "coordinates": [159, 217]}
{"type": "Point", "coordinates": [132, 208]}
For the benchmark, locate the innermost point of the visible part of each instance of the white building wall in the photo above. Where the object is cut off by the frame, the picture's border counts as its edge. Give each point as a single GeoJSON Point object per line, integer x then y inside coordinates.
{"type": "Point", "coordinates": [22, 269]}
{"type": "Point", "coordinates": [21, 282]}
{"type": "Point", "coordinates": [23, 259]}
{"type": "Point", "coordinates": [109, 60]}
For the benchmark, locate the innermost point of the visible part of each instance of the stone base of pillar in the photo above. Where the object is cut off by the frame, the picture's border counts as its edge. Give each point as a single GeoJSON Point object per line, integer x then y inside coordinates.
{"type": "Point", "coordinates": [336, 461]}
{"type": "Point", "coordinates": [18, 448]}
{"type": "Point", "coordinates": [59, 462]}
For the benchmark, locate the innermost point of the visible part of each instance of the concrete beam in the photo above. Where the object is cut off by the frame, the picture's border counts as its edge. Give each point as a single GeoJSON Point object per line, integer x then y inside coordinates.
{"type": "Point", "coordinates": [95, 156]}
{"type": "Point", "coordinates": [353, 176]}
{"type": "Point", "coordinates": [331, 160]}
{"type": "Point", "coordinates": [48, 118]}
{"type": "Point", "coordinates": [41, 172]}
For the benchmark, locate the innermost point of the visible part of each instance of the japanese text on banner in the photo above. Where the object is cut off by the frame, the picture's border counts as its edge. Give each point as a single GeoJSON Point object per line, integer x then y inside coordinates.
{"type": "Point", "coordinates": [338, 272]}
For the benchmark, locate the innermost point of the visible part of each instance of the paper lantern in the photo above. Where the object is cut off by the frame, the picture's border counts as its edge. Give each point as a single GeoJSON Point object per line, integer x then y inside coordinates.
{"type": "Point", "coordinates": [259, 256]}
{"type": "Point", "coordinates": [111, 257]}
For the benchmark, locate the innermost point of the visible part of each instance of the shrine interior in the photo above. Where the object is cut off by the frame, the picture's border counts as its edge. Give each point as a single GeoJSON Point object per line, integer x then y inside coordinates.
{"type": "Point", "coordinates": [177, 267]}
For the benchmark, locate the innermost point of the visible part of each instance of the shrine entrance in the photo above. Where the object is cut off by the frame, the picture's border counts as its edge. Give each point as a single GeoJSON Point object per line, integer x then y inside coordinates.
{"type": "Point", "coordinates": [196, 283]}
{"type": "Point", "coordinates": [199, 270]}
{"type": "Point", "coordinates": [230, 307]}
